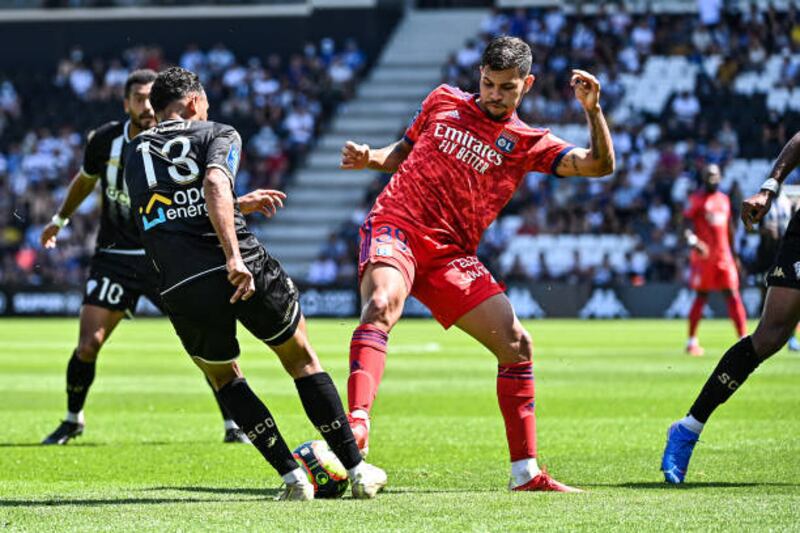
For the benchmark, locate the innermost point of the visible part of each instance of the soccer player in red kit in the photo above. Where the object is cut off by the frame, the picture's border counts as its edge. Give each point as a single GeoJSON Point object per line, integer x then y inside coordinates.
{"type": "Point", "coordinates": [459, 163]}
{"type": "Point", "coordinates": [713, 266]}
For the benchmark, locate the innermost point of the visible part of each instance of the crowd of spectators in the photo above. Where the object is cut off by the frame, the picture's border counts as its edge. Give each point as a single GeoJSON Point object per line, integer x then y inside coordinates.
{"type": "Point", "coordinates": [659, 157]}
{"type": "Point", "coordinates": [277, 103]}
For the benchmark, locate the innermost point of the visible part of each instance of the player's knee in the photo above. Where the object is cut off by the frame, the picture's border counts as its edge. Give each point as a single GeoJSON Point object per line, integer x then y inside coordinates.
{"type": "Point", "coordinates": [518, 350]}
{"type": "Point", "coordinates": [381, 310]}
{"type": "Point", "coordinates": [89, 348]}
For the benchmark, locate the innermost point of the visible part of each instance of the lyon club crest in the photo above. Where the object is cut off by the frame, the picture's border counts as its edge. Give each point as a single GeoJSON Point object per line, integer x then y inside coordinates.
{"type": "Point", "coordinates": [506, 142]}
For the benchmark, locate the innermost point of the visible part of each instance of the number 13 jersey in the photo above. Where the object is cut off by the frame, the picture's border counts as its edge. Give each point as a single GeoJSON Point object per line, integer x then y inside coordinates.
{"type": "Point", "coordinates": [164, 171]}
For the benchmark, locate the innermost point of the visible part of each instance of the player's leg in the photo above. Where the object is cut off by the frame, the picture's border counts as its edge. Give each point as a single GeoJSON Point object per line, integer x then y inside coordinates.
{"type": "Point", "coordinates": [96, 325]}
{"type": "Point", "coordinates": [384, 290]}
{"type": "Point", "coordinates": [736, 311]}
{"type": "Point", "coordinates": [205, 322]}
{"type": "Point", "coordinates": [256, 420]}
{"type": "Point", "coordinates": [324, 409]}
{"type": "Point", "coordinates": [780, 316]}
{"type": "Point", "coordinates": [387, 267]}
{"type": "Point", "coordinates": [494, 324]}
{"type": "Point", "coordinates": [273, 315]}
{"type": "Point", "coordinates": [695, 315]}
{"type": "Point", "coordinates": [232, 432]}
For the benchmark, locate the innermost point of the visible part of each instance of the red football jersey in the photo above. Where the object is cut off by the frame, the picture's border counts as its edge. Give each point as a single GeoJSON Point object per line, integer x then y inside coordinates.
{"type": "Point", "coordinates": [711, 216]}
{"type": "Point", "coordinates": [464, 167]}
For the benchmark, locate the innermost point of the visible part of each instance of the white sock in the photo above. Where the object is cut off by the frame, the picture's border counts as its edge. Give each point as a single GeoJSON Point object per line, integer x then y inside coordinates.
{"type": "Point", "coordinates": [352, 473]}
{"type": "Point", "coordinates": [692, 424]}
{"type": "Point", "coordinates": [230, 424]}
{"type": "Point", "coordinates": [75, 418]}
{"type": "Point", "coordinates": [693, 341]}
{"type": "Point", "coordinates": [524, 470]}
{"type": "Point", "coordinates": [295, 477]}
{"type": "Point", "coordinates": [360, 413]}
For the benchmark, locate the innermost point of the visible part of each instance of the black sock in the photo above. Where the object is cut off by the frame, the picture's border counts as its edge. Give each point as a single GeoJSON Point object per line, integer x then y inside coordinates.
{"type": "Point", "coordinates": [731, 371]}
{"type": "Point", "coordinates": [226, 415]}
{"type": "Point", "coordinates": [80, 376]}
{"type": "Point", "coordinates": [254, 418]}
{"type": "Point", "coordinates": [324, 408]}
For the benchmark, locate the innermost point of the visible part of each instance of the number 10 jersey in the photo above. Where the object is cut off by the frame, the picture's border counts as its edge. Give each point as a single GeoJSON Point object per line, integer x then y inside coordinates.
{"type": "Point", "coordinates": [164, 172]}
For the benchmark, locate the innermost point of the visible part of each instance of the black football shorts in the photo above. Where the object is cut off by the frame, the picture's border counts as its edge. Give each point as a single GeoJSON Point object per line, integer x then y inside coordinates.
{"type": "Point", "coordinates": [116, 281]}
{"type": "Point", "coordinates": [205, 320]}
{"type": "Point", "coordinates": [785, 271]}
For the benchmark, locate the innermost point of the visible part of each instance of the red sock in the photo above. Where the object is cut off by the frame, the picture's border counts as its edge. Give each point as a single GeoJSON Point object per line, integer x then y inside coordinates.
{"type": "Point", "coordinates": [367, 359]}
{"type": "Point", "coordinates": [515, 396]}
{"type": "Point", "coordinates": [737, 313]}
{"type": "Point", "coordinates": [695, 314]}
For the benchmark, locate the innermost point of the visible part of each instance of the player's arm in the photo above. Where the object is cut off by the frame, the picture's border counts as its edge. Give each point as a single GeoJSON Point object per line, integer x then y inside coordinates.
{"type": "Point", "coordinates": [755, 207]}
{"type": "Point", "coordinates": [598, 159]}
{"type": "Point", "coordinates": [79, 188]}
{"type": "Point", "coordinates": [219, 200]}
{"type": "Point", "coordinates": [692, 240]}
{"type": "Point", "coordinates": [387, 159]}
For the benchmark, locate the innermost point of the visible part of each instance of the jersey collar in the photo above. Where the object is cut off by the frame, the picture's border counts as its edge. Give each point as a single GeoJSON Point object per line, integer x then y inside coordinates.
{"type": "Point", "coordinates": [125, 130]}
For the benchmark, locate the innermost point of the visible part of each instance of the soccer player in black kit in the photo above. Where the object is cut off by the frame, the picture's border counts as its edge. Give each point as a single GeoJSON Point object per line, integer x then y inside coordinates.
{"type": "Point", "coordinates": [214, 272]}
{"type": "Point", "coordinates": [778, 321]}
{"type": "Point", "coordinates": [119, 271]}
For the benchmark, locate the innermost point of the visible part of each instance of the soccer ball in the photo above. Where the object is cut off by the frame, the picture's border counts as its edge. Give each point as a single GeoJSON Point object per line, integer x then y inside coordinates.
{"type": "Point", "coordinates": [323, 468]}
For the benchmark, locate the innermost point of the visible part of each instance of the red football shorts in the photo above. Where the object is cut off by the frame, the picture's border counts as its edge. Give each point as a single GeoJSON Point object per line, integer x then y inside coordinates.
{"type": "Point", "coordinates": [448, 280]}
{"type": "Point", "coordinates": [709, 276]}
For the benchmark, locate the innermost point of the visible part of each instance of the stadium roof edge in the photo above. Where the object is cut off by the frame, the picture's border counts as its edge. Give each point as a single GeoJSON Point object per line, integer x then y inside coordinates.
{"type": "Point", "coordinates": [156, 12]}
{"type": "Point", "coordinates": [589, 8]}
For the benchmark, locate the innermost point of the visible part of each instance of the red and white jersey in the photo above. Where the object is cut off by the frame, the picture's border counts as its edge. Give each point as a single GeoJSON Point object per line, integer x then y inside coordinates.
{"type": "Point", "coordinates": [711, 215]}
{"type": "Point", "coordinates": [464, 167]}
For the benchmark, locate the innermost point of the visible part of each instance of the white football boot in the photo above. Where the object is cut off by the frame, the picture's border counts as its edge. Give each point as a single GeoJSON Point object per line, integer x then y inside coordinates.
{"type": "Point", "coordinates": [366, 480]}
{"type": "Point", "coordinates": [300, 491]}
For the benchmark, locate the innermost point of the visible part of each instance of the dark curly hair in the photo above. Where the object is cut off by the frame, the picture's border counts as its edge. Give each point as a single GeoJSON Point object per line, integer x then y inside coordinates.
{"type": "Point", "coordinates": [506, 52]}
{"type": "Point", "coordinates": [173, 84]}
{"type": "Point", "coordinates": [142, 76]}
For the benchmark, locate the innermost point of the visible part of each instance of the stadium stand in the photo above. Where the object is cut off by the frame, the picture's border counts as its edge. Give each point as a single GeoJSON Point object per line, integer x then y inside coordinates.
{"type": "Point", "coordinates": [681, 90]}
{"type": "Point", "coordinates": [279, 105]}
{"type": "Point", "coordinates": [680, 96]}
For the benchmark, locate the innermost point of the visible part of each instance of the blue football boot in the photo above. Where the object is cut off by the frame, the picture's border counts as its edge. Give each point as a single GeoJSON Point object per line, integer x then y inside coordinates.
{"type": "Point", "coordinates": [680, 444]}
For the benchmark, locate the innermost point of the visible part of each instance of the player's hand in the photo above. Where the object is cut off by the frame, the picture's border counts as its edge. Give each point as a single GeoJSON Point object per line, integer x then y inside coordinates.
{"type": "Point", "coordinates": [48, 238]}
{"type": "Point", "coordinates": [354, 156]}
{"type": "Point", "coordinates": [265, 201]}
{"type": "Point", "coordinates": [702, 249]}
{"type": "Point", "coordinates": [755, 207]}
{"type": "Point", "coordinates": [241, 278]}
{"type": "Point", "coordinates": [587, 89]}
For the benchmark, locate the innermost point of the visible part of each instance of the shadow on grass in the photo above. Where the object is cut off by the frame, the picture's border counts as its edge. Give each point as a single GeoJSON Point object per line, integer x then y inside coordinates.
{"type": "Point", "coordinates": [110, 501]}
{"type": "Point", "coordinates": [660, 485]}
{"type": "Point", "coordinates": [260, 492]}
{"type": "Point", "coordinates": [40, 445]}
{"type": "Point", "coordinates": [267, 493]}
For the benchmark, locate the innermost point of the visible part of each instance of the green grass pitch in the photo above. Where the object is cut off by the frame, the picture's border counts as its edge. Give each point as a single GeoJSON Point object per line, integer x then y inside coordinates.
{"type": "Point", "coordinates": [152, 456]}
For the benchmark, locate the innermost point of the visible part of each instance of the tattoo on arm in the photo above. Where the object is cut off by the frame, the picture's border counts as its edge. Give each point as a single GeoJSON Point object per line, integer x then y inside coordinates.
{"type": "Point", "coordinates": [574, 161]}
{"type": "Point", "coordinates": [599, 148]}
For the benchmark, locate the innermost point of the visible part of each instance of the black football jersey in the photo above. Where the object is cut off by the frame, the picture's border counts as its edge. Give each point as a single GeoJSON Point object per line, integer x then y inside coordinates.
{"type": "Point", "coordinates": [103, 159]}
{"type": "Point", "coordinates": [164, 171]}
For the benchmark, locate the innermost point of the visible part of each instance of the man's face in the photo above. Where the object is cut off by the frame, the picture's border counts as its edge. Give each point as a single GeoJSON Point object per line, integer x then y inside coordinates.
{"type": "Point", "coordinates": [501, 91]}
{"type": "Point", "coordinates": [712, 177]}
{"type": "Point", "coordinates": [137, 106]}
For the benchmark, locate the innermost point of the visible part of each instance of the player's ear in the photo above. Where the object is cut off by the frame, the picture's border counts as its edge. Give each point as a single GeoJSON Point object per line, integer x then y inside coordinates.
{"type": "Point", "coordinates": [126, 105]}
{"type": "Point", "coordinates": [191, 106]}
{"type": "Point", "coordinates": [528, 83]}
